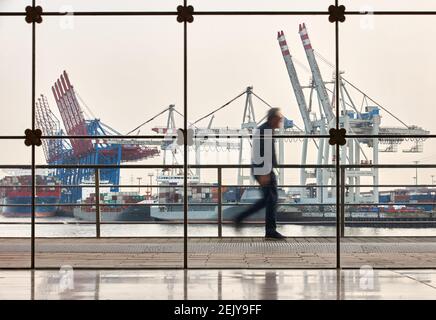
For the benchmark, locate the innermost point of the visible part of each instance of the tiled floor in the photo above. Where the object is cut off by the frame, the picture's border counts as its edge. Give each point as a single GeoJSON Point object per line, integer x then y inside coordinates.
{"type": "Point", "coordinates": [218, 284]}
{"type": "Point", "coordinates": [249, 252]}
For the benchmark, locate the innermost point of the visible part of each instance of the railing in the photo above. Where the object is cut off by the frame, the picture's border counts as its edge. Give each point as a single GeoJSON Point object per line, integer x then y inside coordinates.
{"type": "Point", "coordinates": [340, 203]}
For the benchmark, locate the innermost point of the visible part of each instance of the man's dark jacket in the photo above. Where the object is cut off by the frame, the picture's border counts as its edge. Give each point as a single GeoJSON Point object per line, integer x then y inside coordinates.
{"type": "Point", "coordinates": [265, 132]}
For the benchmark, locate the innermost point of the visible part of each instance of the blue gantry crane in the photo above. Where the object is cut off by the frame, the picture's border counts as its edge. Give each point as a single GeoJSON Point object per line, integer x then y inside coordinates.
{"type": "Point", "coordinates": [82, 151]}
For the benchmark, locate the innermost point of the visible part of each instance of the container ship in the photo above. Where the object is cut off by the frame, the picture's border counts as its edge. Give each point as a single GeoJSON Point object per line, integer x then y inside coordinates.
{"type": "Point", "coordinates": [115, 206]}
{"type": "Point", "coordinates": [203, 200]}
{"type": "Point", "coordinates": [16, 196]}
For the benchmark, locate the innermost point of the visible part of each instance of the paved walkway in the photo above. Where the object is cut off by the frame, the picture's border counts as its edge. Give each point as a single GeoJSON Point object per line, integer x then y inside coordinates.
{"type": "Point", "coordinates": [253, 252]}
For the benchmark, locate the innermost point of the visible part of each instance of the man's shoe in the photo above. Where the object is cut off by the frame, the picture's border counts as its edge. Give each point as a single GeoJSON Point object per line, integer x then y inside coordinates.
{"type": "Point", "coordinates": [238, 223]}
{"type": "Point", "coordinates": [274, 236]}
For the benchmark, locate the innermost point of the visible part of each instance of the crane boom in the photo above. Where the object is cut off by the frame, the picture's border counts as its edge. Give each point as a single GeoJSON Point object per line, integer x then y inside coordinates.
{"type": "Point", "coordinates": [49, 126]}
{"type": "Point", "coordinates": [316, 74]}
{"type": "Point", "coordinates": [71, 113]}
{"type": "Point", "coordinates": [298, 91]}
{"type": "Point", "coordinates": [54, 149]}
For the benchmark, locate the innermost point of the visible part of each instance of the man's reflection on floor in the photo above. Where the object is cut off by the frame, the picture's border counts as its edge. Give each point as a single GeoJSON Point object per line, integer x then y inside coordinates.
{"type": "Point", "coordinates": [269, 289]}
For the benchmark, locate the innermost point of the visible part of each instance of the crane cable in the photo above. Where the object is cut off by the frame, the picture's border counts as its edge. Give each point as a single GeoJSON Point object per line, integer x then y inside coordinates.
{"type": "Point", "coordinates": [149, 120]}
{"type": "Point", "coordinates": [394, 116]}
{"type": "Point", "coordinates": [180, 114]}
{"type": "Point", "coordinates": [219, 108]}
{"type": "Point", "coordinates": [331, 65]}
{"type": "Point", "coordinates": [88, 109]}
{"type": "Point", "coordinates": [271, 107]}
{"type": "Point", "coordinates": [364, 94]}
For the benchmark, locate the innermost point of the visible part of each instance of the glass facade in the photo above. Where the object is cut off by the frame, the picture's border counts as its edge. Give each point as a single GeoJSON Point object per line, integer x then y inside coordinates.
{"type": "Point", "coordinates": [126, 134]}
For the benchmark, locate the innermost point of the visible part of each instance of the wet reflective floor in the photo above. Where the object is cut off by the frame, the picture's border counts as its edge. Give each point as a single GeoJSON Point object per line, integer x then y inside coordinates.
{"type": "Point", "coordinates": [218, 284]}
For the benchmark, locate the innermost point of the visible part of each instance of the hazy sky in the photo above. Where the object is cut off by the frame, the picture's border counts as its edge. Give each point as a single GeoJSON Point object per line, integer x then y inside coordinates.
{"type": "Point", "coordinates": [128, 69]}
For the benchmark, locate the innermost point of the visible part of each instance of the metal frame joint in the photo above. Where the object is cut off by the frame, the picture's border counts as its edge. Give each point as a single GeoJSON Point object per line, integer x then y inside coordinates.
{"type": "Point", "coordinates": [185, 13]}
{"type": "Point", "coordinates": [33, 14]}
{"type": "Point", "coordinates": [337, 136]}
{"type": "Point", "coordinates": [337, 13]}
{"type": "Point", "coordinates": [33, 137]}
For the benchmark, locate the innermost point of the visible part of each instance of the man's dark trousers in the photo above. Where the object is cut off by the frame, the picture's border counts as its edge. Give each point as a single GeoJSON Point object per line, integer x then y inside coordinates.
{"type": "Point", "coordinates": [269, 201]}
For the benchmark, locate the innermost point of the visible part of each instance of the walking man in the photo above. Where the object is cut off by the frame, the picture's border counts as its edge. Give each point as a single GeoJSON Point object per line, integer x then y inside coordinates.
{"type": "Point", "coordinates": [263, 161]}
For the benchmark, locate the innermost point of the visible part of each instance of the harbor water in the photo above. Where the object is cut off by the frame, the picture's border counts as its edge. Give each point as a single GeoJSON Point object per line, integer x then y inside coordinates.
{"type": "Point", "coordinates": [70, 227]}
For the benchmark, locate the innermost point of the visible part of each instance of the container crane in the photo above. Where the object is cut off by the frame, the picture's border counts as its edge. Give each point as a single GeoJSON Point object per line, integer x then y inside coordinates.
{"type": "Point", "coordinates": [309, 127]}
{"type": "Point", "coordinates": [350, 118]}
{"type": "Point", "coordinates": [82, 151]}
